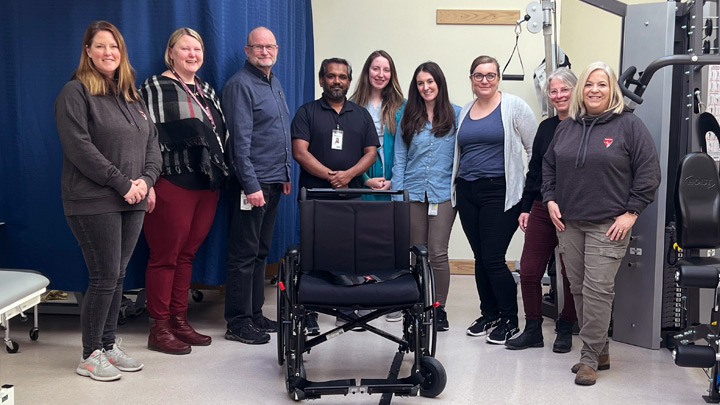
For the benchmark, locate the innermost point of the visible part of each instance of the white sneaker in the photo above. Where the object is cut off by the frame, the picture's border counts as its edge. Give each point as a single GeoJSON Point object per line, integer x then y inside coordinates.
{"type": "Point", "coordinates": [120, 359]}
{"type": "Point", "coordinates": [98, 367]}
{"type": "Point", "coordinates": [394, 316]}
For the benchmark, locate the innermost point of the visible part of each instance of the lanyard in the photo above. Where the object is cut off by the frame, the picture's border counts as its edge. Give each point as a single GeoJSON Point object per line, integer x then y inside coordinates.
{"type": "Point", "coordinates": [206, 109]}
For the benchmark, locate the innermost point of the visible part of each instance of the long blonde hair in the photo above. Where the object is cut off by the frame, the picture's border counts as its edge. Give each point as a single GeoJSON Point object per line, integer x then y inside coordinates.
{"type": "Point", "coordinates": [97, 83]}
{"type": "Point", "coordinates": [392, 96]}
{"type": "Point", "coordinates": [577, 105]}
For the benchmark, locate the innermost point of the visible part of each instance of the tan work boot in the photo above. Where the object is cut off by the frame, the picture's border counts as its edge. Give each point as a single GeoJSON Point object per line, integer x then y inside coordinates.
{"type": "Point", "coordinates": [585, 375]}
{"type": "Point", "coordinates": [603, 363]}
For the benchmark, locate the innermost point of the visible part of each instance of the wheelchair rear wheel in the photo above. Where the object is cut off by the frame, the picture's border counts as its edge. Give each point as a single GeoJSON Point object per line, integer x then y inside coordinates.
{"type": "Point", "coordinates": [282, 326]}
{"type": "Point", "coordinates": [434, 377]}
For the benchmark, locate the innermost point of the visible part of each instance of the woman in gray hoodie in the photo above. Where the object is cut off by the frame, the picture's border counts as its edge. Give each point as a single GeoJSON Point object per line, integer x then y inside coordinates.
{"type": "Point", "coordinates": [600, 172]}
{"type": "Point", "coordinates": [111, 158]}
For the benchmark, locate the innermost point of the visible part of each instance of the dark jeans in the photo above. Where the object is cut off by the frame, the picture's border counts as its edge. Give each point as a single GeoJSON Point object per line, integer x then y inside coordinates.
{"type": "Point", "coordinates": [107, 242]}
{"type": "Point", "coordinates": [489, 229]}
{"type": "Point", "coordinates": [249, 239]}
{"type": "Point", "coordinates": [540, 242]}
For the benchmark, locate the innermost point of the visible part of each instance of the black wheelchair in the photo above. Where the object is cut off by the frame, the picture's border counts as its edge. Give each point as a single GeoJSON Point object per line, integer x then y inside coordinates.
{"type": "Point", "coordinates": [356, 255]}
{"type": "Point", "coordinates": [697, 205]}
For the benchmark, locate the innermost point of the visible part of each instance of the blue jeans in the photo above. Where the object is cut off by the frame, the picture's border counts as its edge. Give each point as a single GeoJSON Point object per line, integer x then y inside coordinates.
{"type": "Point", "coordinates": [489, 229]}
{"type": "Point", "coordinates": [107, 242]}
{"type": "Point", "coordinates": [249, 239]}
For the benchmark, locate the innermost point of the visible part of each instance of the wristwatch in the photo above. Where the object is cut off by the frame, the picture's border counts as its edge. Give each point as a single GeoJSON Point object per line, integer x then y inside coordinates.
{"type": "Point", "coordinates": [633, 212]}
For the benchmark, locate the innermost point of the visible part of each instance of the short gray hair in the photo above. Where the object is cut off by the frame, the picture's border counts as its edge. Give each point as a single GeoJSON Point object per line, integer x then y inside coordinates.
{"type": "Point", "coordinates": [565, 75]}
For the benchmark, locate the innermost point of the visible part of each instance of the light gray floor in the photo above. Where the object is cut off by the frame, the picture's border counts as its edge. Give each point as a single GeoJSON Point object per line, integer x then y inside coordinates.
{"type": "Point", "coordinates": [235, 373]}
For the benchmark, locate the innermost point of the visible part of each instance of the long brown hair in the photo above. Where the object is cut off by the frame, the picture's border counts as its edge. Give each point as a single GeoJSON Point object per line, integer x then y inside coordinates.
{"type": "Point", "coordinates": [97, 83]}
{"type": "Point", "coordinates": [392, 96]}
{"type": "Point", "coordinates": [415, 116]}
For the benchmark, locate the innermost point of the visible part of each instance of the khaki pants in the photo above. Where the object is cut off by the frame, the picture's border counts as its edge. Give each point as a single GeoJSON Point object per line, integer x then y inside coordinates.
{"type": "Point", "coordinates": [592, 261]}
{"type": "Point", "coordinates": [433, 231]}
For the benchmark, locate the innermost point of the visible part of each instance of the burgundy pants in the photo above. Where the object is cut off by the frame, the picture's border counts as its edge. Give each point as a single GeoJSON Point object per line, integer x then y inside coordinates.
{"type": "Point", "coordinates": [174, 232]}
{"type": "Point", "coordinates": [540, 242]}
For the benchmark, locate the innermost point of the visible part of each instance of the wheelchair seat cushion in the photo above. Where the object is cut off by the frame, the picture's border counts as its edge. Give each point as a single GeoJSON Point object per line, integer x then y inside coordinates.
{"type": "Point", "coordinates": [403, 290]}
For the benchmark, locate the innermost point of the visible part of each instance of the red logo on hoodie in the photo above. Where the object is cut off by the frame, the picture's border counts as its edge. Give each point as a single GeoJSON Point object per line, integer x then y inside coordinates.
{"type": "Point", "coordinates": [607, 141]}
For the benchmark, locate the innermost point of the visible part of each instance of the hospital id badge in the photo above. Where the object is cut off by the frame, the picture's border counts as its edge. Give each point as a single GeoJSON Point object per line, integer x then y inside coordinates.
{"type": "Point", "coordinates": [244, 203]}
{"type": "Point", "coordinates": [337, 139]}
{"type": "Point", "coordinates": [432, 209]}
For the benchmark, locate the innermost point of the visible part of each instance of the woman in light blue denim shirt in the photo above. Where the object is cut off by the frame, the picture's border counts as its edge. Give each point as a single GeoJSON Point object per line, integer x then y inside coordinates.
{"type": "Point", "coordinates": [423, 165]}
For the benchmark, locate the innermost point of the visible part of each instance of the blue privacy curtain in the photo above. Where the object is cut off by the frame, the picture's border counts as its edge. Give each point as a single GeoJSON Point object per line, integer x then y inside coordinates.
{"type": "Point", "coordinates": [41, 42]}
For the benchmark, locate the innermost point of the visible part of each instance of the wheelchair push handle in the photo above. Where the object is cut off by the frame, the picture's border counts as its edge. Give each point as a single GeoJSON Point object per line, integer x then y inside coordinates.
{"type": "Point", "coordinates": [349, 191]}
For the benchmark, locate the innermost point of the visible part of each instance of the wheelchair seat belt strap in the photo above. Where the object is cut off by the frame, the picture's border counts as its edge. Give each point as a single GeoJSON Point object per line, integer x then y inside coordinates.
{"type": "Point", "coordinates": [350, 280]}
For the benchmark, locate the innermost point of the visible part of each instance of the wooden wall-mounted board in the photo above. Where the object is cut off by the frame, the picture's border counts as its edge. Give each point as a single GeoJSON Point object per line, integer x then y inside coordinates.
{"type": "Point", "coordinates": [477, 17]}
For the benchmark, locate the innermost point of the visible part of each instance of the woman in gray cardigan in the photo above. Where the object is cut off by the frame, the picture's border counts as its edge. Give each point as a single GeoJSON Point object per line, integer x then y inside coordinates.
{"type": "Point", "coordinates": [488, 178]}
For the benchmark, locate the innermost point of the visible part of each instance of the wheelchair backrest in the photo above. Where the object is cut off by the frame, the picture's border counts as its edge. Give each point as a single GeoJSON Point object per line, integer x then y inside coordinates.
{"type": "Point", "coordinates": [697, 202]}
{"type": "Point", "coordinates": [354, 236]}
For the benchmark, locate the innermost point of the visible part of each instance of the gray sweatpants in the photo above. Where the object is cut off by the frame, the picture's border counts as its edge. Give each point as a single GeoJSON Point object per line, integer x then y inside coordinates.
{"type": "Point", "coordinates": [592, 261]}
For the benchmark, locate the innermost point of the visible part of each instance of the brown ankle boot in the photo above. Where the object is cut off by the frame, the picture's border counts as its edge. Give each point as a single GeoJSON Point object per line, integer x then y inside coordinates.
{"type": "Point", "coordinates": [585, 375]}
{"type": "Point", "coordinates": [161, 338]}
{"type": "Point", "coordinates": [183, 331]}
{"type": "Point", "coordinates": [603, 363]}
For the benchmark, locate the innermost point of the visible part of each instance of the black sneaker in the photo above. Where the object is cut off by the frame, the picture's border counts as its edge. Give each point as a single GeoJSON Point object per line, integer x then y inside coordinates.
{"type": "Point", "coordinates": [481, 326]}
{"type": "Point", "coordinates": [504, 331]}
{"type": "Point", "coordinates": [266, 325]}
{"type": "Point", "coordinates": [249, 334]}
{"type": "Point", "coordinates": [442, 321]}
{"type": "Point", "coordinates": [311, 324]}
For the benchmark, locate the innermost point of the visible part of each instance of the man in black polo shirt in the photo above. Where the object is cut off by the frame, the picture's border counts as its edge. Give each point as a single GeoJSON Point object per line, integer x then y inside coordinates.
{"type": "Point", "coordinates": [333, 139]}
{"type": "Point", "coordinates": [259, 124]}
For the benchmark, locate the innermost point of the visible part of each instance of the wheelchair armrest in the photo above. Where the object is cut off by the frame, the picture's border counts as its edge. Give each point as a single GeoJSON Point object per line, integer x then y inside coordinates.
{"type": "Point", "coordinates": [293, 251]}
{"type": "Point", "coordinates": [419, 250]}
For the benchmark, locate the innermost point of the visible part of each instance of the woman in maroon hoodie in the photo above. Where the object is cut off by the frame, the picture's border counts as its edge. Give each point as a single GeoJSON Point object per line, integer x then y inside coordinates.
{"type": "Point", "coordinates": [599, 173]}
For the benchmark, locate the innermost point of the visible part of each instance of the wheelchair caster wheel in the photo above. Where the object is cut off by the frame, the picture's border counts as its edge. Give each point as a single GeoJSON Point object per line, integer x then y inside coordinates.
{"type": "Point", "coordinates": [11, 347]}
{"type": "Point", "coordinates": [694, 356]}
{"type": "Point", "coordinates": [34, 333]}
{"type": "Point", "coordinates": [197, 295]}
{"type": "Point", "coordinates": [434, 377]}
{"type": "Point", "coordinates": [297, 395]}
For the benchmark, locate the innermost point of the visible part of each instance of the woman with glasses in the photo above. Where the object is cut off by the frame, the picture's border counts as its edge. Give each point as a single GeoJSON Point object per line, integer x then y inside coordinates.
{"type": "Point", "coordinates": [540, 237]}
{"type": "Point", "coordinates": [181, 206]}
{"type": "Point", "coordinates": [488, 178]}
{"type": "Point", "coordinates": [423, 166]}
{"type": "Point", "coordinates": [599, 173]}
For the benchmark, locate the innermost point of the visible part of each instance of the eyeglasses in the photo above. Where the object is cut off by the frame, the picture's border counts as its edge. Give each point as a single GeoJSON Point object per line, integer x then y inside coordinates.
{"type": "Point", "coordinates": [562, 92]}
{"type": "Point", "coordinates": [260, 48]}
{"type": "Point", "coordinates": [478, 77]}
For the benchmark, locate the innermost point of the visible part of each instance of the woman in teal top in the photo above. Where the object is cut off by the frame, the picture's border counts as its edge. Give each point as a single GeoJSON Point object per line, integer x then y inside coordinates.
{"type": "Point", "coordinates": [378, 90]}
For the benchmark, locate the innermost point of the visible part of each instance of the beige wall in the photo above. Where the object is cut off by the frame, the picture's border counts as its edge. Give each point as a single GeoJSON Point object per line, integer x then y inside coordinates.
{"type": "Point", "coordinates": [406, 29]}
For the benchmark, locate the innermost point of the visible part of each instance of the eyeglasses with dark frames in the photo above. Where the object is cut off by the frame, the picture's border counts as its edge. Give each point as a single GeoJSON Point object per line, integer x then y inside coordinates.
{"type": "Point", "coordinates": [478, 77]}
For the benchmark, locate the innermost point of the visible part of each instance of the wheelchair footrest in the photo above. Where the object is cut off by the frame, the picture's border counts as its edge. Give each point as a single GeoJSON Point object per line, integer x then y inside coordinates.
{"type": "Point", "coordinates": [315, 389]}
{"type": "Point", "coordinates": [333, 387]}
{"type": "Point", "coordinates": [381, 386]}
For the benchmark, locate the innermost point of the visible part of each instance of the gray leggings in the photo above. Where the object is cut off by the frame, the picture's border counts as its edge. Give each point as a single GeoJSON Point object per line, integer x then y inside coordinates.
{"type": "Point", "coordinates": [107, 242]}
{"type": "Point", "coordinates": [433, 231]}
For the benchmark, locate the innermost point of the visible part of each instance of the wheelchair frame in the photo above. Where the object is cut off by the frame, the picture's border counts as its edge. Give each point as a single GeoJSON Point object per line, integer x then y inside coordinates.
{"type": "Point", "coordinates": [427, 376]}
